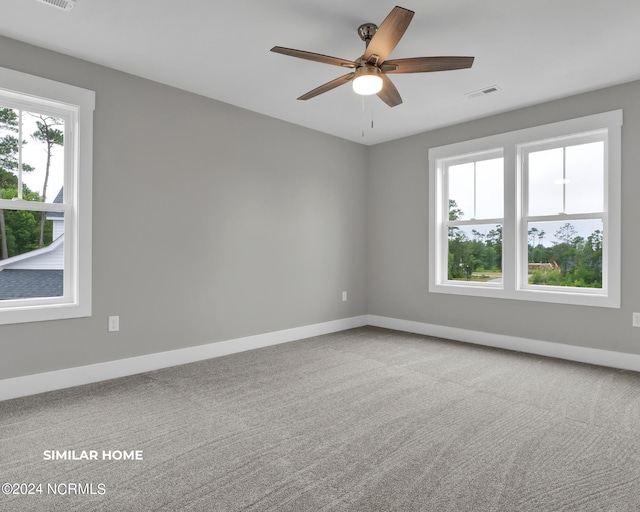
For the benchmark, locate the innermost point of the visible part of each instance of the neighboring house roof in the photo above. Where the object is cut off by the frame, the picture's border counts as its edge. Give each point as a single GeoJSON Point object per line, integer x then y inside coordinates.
{"type": "Point", "coordinates": [50, 257]}
{"type": "Point", "coordinates": [24, 284]}
{"type": "Point", "coordinates": [37, 273]}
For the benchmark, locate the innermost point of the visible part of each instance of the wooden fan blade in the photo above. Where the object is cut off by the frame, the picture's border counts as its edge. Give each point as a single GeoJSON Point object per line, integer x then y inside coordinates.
{"type": "Point", "coordinates": [328, 86]}
{"type": "Point", "coordinates": [389, 94]}
{"type": "Point", "coordinates": [388, 34]}
{"type": "Point", "coordinates": [316, 57]}
{"type": "Point", "coordinates": [426, 64]}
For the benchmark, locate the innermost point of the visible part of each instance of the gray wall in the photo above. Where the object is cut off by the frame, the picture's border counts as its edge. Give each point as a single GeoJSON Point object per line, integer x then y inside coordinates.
{"type": "Point", "coordinates": [213, 223]}
{"type": "Point", "coordinates": [210, 223]}
{"type": "Point", "coordinates": [398, 220]}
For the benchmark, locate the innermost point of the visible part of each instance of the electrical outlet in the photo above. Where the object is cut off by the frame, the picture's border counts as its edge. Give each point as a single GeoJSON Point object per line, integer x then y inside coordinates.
{"type": "Point", "coordinates": [114, 323]}
{"type": "Point", "coordinates": [344, 296]}
{"type": "Point", "coordinates": [636, 320]}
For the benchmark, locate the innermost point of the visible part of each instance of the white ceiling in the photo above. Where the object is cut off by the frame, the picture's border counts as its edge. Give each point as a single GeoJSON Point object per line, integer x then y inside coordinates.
{"type": "Point", "coordinates": [534, 50]}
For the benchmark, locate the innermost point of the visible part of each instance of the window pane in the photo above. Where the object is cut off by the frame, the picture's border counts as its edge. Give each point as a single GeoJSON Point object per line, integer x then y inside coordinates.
{"type": "Point", "coordinates": [476, 190]}
{"type": "Point", "coordinates": [546, 182]}
{"type": "Point", "coordinates": [8, 152]}
{"type": "Point", "coordinates": [566, 253]}
{"type": "Point", "coordinates": [475, 253]}
{"type": "Point", "coordinates": [461, 200]}
{"type": "Point", "coordinates": [489, 189]}
{"type": "Point", "coordinates": [35, 263]}
{"type": "Point", "coordinates": [585, 178]}
{"type": "Point", "coordinates": [43, 156]}
{"type": "Point", "coordinates": [42, 145]}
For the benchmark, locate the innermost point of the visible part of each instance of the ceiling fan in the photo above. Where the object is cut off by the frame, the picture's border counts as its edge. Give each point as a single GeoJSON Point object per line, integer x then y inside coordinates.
{"type": "Point", "coordinates": [370, 71]}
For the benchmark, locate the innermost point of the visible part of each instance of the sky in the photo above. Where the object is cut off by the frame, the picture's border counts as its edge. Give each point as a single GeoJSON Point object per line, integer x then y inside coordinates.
{"type": "Point", "coordinates": [560, 180]}
{"type": "Point", "coordinates": [584, 228]}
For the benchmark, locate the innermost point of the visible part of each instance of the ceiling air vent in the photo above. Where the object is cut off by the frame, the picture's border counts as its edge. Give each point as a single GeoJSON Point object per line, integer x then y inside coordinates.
{"type": "Point", "coordinates": [65, 5]}
{"type": "Point", "coordinates": [482, 92]}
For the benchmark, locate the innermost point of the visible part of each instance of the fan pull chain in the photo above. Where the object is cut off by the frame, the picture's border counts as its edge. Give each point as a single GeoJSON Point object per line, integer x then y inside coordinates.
{"type": "Point", "coordinates": [363, 116]}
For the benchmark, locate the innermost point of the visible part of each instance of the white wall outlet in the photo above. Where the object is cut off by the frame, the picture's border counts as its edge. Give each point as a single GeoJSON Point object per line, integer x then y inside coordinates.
{"type": "Point", "coordinates": [636, 320]}
{"type": "Point", "coordinates": [114, 323]}
{"type": "Point", "coordinates": [344, 296]}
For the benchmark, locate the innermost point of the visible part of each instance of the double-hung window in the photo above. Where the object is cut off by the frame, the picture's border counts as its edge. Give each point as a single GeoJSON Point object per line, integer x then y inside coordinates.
{"type": "Point", "coordinates": [46, 135]}
{"type": "Point", "coordinates": [531, 215]}
{"type": "Point", "coordinates": [474, 217]}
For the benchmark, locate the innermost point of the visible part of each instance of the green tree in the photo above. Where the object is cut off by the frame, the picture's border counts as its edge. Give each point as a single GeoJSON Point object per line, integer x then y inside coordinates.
{"type": "Point", "coordinates": [533, 234]}
{"type": "Point", "coordinates": [465, 257]}
{"type": "Point", "coordinates": [541, 237]}
{"type": "Point", "coordinates": [459, 253]}
{"type": "Point", "coordinates": [579, 260]}
{"type": "Point", "coordinates": [589, 260]}
{"type": "Point", "coordinates": [22, 227]}
{"type": "Point", "coordinates": [477, 236]}
{"type": "Point", "coordinates": [539, 254]}
{"type": "Point", "coordinates": [454, 211]}
{"type": "Point", "coordinates": [454, 214]}
{"type": "Point", "coordinates": [8, 162]}
{"type": "Point", "coordinates": [5, 177]}
{"type": "Point", "coordinates": [490, 258]}
{"type": "Point", "coordinates": [51, 136]}
{"type": "Point", "coordinates": [493, 241]}
{"type": "Point", "coordinates": [564, 250]}
{"type": "Point", "coordinates": [566, 234]}
{"type": "Point", "coordinates": [8, 166]}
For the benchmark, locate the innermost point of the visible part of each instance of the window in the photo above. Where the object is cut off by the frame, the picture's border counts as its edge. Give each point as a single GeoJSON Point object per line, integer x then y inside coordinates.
{"type": "Point", "coordinates": [46, 133]}
{"type": "Point", "coordinates": [474, 219]}
{"type": "Point", "coordinates": [531, 215]}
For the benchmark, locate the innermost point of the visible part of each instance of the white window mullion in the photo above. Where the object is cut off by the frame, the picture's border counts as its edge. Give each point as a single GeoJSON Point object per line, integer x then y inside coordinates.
{"type": "Point", "coordinates": [566, 218]}
{"type": "Point", "coordinates": [20, 154]}
{"type": "Point", "coordinates": [511, 217]}
{"type": "Point", "coordinates": [564, 180]}
{"type": "Point", "coordinates": [523, 220]}
{"type": "Point", "coordinates": [437, 249]}
{"type": "Point", "coordinates": [32, 206]}
{"type": "Point", "coordinates": [443, 231]}
{"type": "Point", "coordinates": [475, 190]}
{"type": "Point", "coordinates": [475, 222]}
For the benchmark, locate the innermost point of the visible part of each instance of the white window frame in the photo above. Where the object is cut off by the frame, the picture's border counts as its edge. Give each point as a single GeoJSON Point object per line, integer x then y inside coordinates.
{"type": "Point", "coordinates": [514, 235]}
{"type": "Point", "coordinates": [76, 106]}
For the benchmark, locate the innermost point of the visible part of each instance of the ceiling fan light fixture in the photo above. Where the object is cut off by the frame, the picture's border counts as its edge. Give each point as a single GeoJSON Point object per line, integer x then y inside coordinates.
{"type": "Point", "coordinates": [369, 75]}
{"type": "Point", "coordinates": [367, 81]}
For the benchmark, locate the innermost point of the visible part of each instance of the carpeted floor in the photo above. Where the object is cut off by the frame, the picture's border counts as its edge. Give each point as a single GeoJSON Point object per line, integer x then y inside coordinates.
{"type": "Point", "coordinates": [363, 420]}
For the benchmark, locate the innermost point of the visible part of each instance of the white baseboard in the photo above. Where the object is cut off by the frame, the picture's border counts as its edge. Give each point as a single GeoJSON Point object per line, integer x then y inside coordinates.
{"type": "Point", "coordinates": [544, 348]}
{"type": "Point", "coordinates": [60, 379]}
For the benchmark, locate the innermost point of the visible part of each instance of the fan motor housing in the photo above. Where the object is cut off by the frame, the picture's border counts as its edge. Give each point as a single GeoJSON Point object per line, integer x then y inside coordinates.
{"type": "Point", "coordinates": [366, 31]}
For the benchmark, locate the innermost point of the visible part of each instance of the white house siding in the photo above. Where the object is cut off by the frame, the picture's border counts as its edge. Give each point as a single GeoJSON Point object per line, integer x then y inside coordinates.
{"type": "Point", "coordinates": [58, 228]}
{"type": "Point", "coordinates": [48, 258]}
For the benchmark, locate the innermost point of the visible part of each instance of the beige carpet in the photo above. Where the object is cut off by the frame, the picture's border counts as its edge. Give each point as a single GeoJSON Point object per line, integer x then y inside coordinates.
{"type": "Point", "coordinates": [363, 420]}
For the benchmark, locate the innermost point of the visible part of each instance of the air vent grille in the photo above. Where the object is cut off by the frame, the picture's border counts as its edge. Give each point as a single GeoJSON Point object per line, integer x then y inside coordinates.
{"type": "Point", "coordinates": [65, 5]}
{"type": "Point", "coordinates": [482, 92]}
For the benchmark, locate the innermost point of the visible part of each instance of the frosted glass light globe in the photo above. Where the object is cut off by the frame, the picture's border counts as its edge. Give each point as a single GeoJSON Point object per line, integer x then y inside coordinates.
{"type": "Point", "coordinates": [367, 81]}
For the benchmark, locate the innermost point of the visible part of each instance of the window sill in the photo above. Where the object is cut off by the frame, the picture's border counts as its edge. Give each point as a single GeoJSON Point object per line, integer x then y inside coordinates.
{"type": "Point", "coordinates": [570, 296]}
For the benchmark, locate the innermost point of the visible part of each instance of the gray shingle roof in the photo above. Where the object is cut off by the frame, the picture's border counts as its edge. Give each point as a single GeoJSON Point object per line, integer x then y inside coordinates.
{"type": "Point", "coordinates": [24, 284]}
